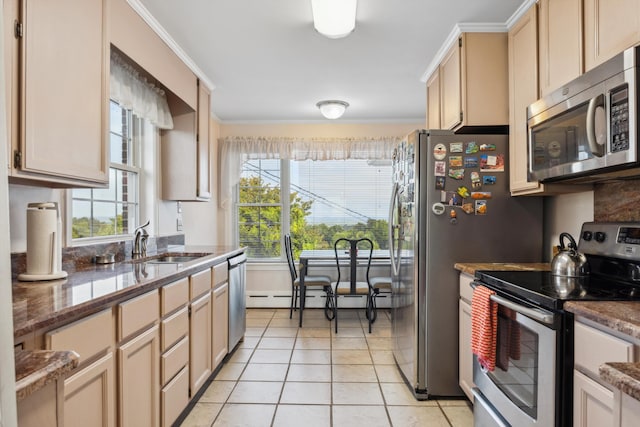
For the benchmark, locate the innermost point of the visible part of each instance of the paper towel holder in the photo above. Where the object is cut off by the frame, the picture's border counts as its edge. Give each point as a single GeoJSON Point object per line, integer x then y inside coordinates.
{"type": "Point", "coordinates": [44, 251]}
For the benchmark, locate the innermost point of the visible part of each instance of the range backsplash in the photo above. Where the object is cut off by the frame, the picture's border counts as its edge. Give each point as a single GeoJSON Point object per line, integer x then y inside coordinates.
{"type": "Point", "coordinates": [617, 201]}
{"type": "Point", "coordinates": [80, 256]}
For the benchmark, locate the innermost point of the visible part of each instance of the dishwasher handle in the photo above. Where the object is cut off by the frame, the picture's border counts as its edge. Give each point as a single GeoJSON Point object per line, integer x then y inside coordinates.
{"type": "Point", "coordinates": [237, 260]}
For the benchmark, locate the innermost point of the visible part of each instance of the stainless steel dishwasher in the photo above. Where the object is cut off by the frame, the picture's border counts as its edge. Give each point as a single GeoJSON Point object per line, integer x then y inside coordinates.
{"type": "Point", "coordinates": [237, 302]}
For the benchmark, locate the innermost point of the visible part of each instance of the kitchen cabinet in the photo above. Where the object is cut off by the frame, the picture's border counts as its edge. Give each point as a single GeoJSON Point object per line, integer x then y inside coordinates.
{"type": "Point", "coordinates": [609, 28]}
{"type": "Point", "coordinates": [89, 390]}
{"type": "Point", "coordinates": [594, 402]}
{"type": "Point", "coordinates": [200, 336]}
{"type": "Point", "coordinates": [559, 42]}
{"type": "Point", "coordinates": [433, 101]}
{"type": "Point", "coordinates": [40, 409]}
{"type": "Point", "coordinates": [220, 314]}
{"type": "Point", "coordinates": [185, 153]}
{"type": "Point", "coordinates": [465, 355]}
{"type": "Point", "coordinates": [58, 96]}
{"type": "Point", "coordinates": [473, 82]}
{"type": "Point", "coordinates": [523, 90]}
{"type": "Point", "coordinates": [138, 361]}
{"type": "Point", "coordinates": [629, 411]}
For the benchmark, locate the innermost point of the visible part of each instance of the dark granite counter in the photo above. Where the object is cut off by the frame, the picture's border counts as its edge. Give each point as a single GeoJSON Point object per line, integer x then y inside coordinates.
{"type": "Point", "coordinates": [472, 267]}
{"type": "Point", "coordinates": [39, 306]}
{"type": "Point", "coordinates": [621, 316]}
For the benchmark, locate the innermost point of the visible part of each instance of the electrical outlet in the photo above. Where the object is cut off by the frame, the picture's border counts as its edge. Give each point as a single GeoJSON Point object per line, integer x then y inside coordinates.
{"type": "Point", "coordinates": [179, 207]}
{"type": "Point", "coordinates": [179, 222]}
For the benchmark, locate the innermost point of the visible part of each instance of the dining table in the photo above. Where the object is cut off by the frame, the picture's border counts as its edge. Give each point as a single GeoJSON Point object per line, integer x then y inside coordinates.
{"type": "Point", "coordinates": [325, 258]}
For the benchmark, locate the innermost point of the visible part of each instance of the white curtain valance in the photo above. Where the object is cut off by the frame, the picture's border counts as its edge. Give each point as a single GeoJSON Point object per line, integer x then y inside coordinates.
{"type": "Point", "coordinates": [236, 150]}
{"type": "Point", "coordinates": [132, 91]}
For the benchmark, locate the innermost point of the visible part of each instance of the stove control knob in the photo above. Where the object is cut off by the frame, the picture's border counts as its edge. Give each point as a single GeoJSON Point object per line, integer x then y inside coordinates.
{"type": "Point", "coordinates": [587, 236]}
{"type": "Point", "coordinates": [633, 271]}
{"type": "Point", "coordinates": [600, 236]}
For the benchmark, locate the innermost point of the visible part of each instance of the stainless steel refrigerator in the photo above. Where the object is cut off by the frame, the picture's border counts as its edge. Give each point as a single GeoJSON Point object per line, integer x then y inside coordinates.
{"type": "Point", "coordinates": [450, 203]}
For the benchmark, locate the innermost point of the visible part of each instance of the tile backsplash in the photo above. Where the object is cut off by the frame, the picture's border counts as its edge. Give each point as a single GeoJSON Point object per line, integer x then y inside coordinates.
{"type": "Point", "coordinates": [617, 201]}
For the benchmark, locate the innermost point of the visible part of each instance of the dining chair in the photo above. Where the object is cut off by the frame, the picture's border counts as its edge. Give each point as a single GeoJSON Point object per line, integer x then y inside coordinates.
{"type": "Point", "coordinates": [309, 281]}
{"type": "Point", "coordinates": [359, 288]}
{"type": "Point", "coordinates": [380, 285]}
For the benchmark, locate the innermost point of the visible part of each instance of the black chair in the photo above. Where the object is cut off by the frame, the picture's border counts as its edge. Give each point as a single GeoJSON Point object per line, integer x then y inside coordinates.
{"type": "Point", "coordinates": [360, 288]}
{"type": "Point", "coordinates": [309, 281]}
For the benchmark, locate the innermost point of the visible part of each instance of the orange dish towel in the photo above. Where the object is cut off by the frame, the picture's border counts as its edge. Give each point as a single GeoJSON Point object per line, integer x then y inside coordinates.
{"type": "Point", "coordinates": [484, 327]}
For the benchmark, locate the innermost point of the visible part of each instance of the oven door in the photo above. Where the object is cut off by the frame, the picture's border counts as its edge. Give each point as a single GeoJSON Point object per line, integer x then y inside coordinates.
{"type": "Point", "coordinates": [522, 388]}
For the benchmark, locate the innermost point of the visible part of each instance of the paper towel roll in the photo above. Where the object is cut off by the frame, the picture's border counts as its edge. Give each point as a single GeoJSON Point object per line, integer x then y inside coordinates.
{"type": "Point", "coordinates": [44, 257]}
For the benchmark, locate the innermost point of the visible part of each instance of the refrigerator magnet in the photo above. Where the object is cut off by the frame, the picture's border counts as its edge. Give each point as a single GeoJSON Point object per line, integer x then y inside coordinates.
{"type": "Point", "coordinates": [456, 147]}
{"type": "Point", "coordinates": [481, 195]}
{"type": "Point", "coordinates": [487, 147]}
{"type": "Point", "coordinates": [493, 163]}
{"type": "Point", "coordinates": [481, 207]}
{"type": "Point", "coordinates": [472, 148]}
{"type": "Point", "coordinates": [463, 191]}
{"type": "Point", "coordinates": [455, 161]}
{"type": "Point", "coordinates": [439, 151]}
{"type": "Point", "coordinates": [470, 162]}
{"type": "Point", "coordinates": [440, 181]}
{"type": "Point", "coordinates": [453, 198]}
{"type": "Point", "coordinates": [456, 173]}
{"type": "Point", "coordinates": [475, 180]}
{"type": "Point", "coordinates": [489, 179]}
{"type": "Point", "coordinates": [467, 208]}
{"type": "Point", "coordinates": [440, 168]}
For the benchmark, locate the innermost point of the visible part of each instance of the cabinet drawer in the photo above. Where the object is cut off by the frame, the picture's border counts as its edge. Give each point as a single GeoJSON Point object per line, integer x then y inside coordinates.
{"type": "Point", "coordinates": [174, 295]}
{"type": "Point", "coordinates": [174, 398]}
{"type": "Point", "coordinates": [137, 314]}
{"type": "Point", "coordinates": [200, 283]}
{"type": "Point", "coordinates": [87, 337]}
{"type": "Point", "coordinates": [594, 347]}
{"type": "Point", "coordinates": [173, 328]}
{"type": "Point", "coordinates": [466, 292]}
{"type": "Point", "coordinates": [220, 274]}
{"type": "Point", "coordinates": [173, 360]}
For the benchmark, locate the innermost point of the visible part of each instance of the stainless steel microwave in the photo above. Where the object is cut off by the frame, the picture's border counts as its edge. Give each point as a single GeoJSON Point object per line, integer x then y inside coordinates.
{"type": "Point", "coordinates": [587, 130]}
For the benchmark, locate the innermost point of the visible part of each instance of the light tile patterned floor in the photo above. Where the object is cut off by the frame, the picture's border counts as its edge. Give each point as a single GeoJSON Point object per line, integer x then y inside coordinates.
{"type": "Point", "coordinates": [282, 375]}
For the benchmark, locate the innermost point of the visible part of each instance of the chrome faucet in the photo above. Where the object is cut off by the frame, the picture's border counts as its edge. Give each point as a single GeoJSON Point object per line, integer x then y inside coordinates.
{"type": "Point", "coordinates": [140, 241]}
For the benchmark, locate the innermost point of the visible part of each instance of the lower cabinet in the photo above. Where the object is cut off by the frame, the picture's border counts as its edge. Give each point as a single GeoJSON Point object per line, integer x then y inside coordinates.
{"type": "Point", "coordinates": [220, 324]}
{"type": "Point", "coordinates": [138, 388]}
{"type": "Point", "coordinates": [89, 395]}
{"type": "Point", "coordinates": [200, 342]}
{"type": "Point", "coordinates": [465, 356]}
{"type": "Point", "coordinates": [174, 397]}
{"type": "Point", "coordinates": [593, 403]}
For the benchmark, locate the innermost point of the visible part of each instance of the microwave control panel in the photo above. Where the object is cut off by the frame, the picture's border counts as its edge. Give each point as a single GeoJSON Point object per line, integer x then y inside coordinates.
{"type": "Point", "coordinates": [619, 119]}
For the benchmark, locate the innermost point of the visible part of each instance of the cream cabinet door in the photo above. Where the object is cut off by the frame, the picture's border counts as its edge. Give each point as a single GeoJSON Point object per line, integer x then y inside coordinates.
{"type": "Point", "coordinates": [433, 101]}
{"type": "Point", "coordinates": [64, 91]}
{"type": "Point", "coordinates": [220, 326]}
{"type": "Point", "coordinates": [465, 358]}
{"type": "Point", "coordinates": [560, 42]}
{"type": "Point", "coordinates": [610, 26]}
{"type": "Point", "coordinates": [204, 161]}
{"type": "Point", "coordinates": [200, 342]}
{"type": "Point", "coordinates": [593, 404]}
{"type": "Point", "coordinates": [450, 86]}
{"type": "Point", "coordinates": [523, 90]}
{"type": "Point", "coordinates": [89, 395]}
{"type": "Point", "coordinates": [139, 380]}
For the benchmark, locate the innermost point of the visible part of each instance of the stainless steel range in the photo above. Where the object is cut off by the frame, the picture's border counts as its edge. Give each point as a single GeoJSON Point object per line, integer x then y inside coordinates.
{"type": "Point", "coordinates": [532, 382]}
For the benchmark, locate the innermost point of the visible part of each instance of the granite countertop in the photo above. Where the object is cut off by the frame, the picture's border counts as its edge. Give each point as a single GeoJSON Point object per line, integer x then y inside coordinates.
{"type": "Point", "coordinates": [36, 369]}
{"type": "Point", "coordinates": [472, 267]}
{"type": "Point", "coordinates": [621, 316]}
{"type": "Point", "coordinates": [47, 305]}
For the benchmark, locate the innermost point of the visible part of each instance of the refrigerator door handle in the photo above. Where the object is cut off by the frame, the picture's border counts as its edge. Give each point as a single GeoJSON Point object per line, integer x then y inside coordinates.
{"type": "Point", "coordinates": [395, 263]}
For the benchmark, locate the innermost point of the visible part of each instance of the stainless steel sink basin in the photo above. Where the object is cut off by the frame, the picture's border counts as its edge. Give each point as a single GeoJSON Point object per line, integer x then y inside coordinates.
{"type": "Point", "coordinates": [174, 259]}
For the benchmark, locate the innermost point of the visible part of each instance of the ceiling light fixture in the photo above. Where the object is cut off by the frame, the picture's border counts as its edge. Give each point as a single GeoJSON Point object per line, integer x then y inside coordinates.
{"type": "Point", "coordinates": [334, 18]}
{"type": "Point", "coordinates": [332, 109]}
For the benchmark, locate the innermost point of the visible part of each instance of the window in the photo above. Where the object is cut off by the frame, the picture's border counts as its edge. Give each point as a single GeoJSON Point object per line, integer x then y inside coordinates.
{"type": "Point", "coordinates": [326, 200]}
{"type": "Point", "coordinates": [112, 211]}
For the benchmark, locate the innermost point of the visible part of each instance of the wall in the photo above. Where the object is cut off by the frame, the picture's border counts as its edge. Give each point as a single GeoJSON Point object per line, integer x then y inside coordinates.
{"type": "Point", "coordinates": [270, 285]}
{"type": "Point", "coordinates": [563, 213]}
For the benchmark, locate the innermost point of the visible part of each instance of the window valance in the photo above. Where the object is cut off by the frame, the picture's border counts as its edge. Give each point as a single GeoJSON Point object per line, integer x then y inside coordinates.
{"type": "Point", "coordinates": [235, 150]}
{"type": "Point", "coordinates": [132, 91]}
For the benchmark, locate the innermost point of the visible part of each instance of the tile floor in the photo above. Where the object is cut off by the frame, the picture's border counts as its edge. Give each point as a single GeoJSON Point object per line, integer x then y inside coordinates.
{"type": "Point", "coordinates": [282, 375]}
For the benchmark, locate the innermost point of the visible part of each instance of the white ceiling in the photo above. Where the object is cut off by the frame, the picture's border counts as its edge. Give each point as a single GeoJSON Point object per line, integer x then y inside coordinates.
{"type": "Point", "coordinates": [268, 63]}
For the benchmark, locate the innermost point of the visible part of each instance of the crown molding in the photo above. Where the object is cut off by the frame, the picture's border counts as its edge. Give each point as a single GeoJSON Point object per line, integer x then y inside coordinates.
{"type": "Point", "coordinates": [175, 47]}
{"type": "Point", "coordinates": [462, 27]}
{"type": "Point", "coordinates": [519, 13]}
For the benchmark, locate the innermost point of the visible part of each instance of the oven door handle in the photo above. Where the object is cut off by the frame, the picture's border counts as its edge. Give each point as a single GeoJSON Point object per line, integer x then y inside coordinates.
{"type": "Point", "coordinates": [535, 314]}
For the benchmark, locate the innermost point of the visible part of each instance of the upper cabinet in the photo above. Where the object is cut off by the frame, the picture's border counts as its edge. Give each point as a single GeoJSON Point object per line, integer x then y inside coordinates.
{"type": "Point", "coordinates": [433, 101]}
{"type": "Point", "coordinates": [203, 185]}
{"type": "Point", "coordinates": [609, 28]}
{"type": "Point", "coordinates": [472, 81]}
{"type": "Point", "coordinates": [58, 92]}
{"type": "Point", "coordinates": [559, 43]}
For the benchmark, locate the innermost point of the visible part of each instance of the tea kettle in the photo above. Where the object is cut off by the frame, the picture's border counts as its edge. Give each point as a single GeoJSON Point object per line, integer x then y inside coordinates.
{"type": "Point", "coordinates": [568, 262]}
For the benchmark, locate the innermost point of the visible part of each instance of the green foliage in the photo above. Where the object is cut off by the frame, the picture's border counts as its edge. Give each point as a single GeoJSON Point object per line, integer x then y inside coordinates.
{"type": "Point", "coordinates": [83, 227]}
{"type": "Point", "coordinates": [259, 226]}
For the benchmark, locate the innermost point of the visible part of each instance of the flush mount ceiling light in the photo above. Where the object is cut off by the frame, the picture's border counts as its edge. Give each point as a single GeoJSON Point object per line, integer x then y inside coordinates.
{"type": "Point", "coordinates": [332, 109]}
{"type": "Point", "coordinates": [334, 18]}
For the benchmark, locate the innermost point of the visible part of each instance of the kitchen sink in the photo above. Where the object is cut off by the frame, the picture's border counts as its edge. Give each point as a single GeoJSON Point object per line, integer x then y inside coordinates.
{"type": "Point", "coordinates": [170, 258]}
